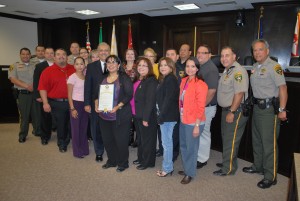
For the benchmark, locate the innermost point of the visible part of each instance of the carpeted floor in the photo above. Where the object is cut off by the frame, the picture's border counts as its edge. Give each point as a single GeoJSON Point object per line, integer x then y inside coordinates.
{"type": "Point", "coordinates": [32, 172]}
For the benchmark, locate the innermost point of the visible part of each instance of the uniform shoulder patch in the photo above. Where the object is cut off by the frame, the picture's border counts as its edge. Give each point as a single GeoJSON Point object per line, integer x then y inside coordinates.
{"type": "Point", "coordinates": [278, 69]}
{"type": "Point", "coordinates": [238, 77]}
{"type": "Point", "coordinates": [11, 67]}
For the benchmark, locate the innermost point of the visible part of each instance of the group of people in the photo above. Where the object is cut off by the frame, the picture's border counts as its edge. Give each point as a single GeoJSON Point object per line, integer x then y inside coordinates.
{"type": "Point", "coordinates": [172, 102]}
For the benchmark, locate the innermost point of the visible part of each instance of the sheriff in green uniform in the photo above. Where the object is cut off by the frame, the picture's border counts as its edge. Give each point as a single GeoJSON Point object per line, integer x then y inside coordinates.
{"type": "Point", "coordinates": [269, 87]}
{"type": "Point", "coordinates": [21, 75]}
{"type": "Point", "coordinates": [232, 90]}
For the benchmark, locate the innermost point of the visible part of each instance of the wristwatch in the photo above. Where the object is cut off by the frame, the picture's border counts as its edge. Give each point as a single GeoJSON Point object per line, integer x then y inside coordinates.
{"type": "Point", "coordinates": [281, 109]}
{"type": "Point", "coordinates": [197, 125]}
{"type": "Point", "coordinates": [232, 111]}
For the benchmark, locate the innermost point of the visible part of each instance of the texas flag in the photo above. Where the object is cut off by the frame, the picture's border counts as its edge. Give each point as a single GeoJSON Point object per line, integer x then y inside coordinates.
{"type": "Point", "coordinates": [296, 37]}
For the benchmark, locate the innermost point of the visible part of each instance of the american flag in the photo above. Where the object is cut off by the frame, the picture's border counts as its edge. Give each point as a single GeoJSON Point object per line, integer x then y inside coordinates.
{"type": "Point", "coordinates": [88, 44]}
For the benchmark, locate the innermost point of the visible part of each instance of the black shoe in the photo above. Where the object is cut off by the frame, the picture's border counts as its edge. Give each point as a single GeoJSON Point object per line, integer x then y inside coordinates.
{"type": "Point", "coordinates": [181, 172]}
{"type": "Point", "coordinates": [141, 167]}
{"type": "Point", "coordinates": [121, 169]}
{"type": "Point", "coordinates": [134, 144]}
{"type": "Point", "coordinates": [136, 162]}
{"type": "Point", "coordinates": [22, 139]}
{"type": "Point", "coordinates": [219, 173]}
{"type": "Point", "coordinates": [62, 149]}
{"type": "Point", "coordinates": [158, 154]}
{"type": "Point", "coordinates": [107, 165]}
{"type": "Point", "coordinates": [44, 142]}
{"type": "Point", "coordinates": [265, 183]}
{"type": "Point", "coordinates": [186, 180]}
{"type": "Point", "coordinates": [220, 165]}
{"type": "Point", "coordinates": [250, 170]}
{"type": "Point", "coordinates": [99, 158]}
{"type": "Point", "coordinates": [174, 158]}
{"type": "Point", "coordinates": [201, 165]}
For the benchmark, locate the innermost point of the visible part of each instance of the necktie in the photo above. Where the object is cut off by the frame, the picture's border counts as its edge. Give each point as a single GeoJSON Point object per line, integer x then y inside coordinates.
{"type": "Point", "coordinates": [105, 69]}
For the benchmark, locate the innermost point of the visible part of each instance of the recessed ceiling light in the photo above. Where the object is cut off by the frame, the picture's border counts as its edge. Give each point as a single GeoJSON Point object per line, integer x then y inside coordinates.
{"type": "Point", "coordinates": [187, 6]}
{"type": "Point", "coordinates": [87, 12]}
{"type": "Point", "coordinates": [1, 6]}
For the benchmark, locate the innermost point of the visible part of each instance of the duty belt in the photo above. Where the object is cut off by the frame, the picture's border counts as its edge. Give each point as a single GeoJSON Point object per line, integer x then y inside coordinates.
{"type": "Point", "coordinates": [266, 100]}
{"type": "Point", "coordinates": [24, 91]}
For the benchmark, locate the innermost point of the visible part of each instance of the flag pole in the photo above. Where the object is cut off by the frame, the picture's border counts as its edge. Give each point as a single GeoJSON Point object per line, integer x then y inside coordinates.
{"type": "Point", "coordinates": [100, 33]}
{"type": "Point", "coordinates": [195, 40]}
{"type": "Point", "coordinates": [259, 35]}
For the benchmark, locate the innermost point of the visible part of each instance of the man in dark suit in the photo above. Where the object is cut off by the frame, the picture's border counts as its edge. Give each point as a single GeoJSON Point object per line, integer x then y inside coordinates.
{"type": "Point", "coordinates": [45, 117]}
{"type": "Point", "coordinates": [94, 75]}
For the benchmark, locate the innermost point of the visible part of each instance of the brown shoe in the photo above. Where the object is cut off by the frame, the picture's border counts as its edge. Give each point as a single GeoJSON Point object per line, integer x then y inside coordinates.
{"type": "Point", "coordinates": [186, 180]}
{"type": "Point", "coordinates": [181, 173]}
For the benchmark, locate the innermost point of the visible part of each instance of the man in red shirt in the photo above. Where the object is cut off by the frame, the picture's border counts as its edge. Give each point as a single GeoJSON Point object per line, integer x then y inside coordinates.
{"type": "Point", "coordinates": [54, 93]}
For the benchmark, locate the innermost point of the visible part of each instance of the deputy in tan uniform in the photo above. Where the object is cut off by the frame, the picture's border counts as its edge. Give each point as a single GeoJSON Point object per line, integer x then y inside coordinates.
{"type": "Point", "coordinates": [74, 49]}
{"type": "Point", "coordinates": [270, 97]}
{"type": "Point", "coordinates": [21, 75]}
{"type": "Point", "coordinates": [232, 90]}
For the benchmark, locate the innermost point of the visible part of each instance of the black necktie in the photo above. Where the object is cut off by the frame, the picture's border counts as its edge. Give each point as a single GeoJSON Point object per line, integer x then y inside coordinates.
{"type": "Point", "coordinates": [105, 69]}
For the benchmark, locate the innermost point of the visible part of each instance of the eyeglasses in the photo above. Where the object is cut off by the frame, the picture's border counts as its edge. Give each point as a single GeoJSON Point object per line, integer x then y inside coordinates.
{"type": "Point", "coordinates": [202, 52]}
{"type": "Point", "coordinates": [83, 53]}
{"type": "Point", "coordinates": [111, 62]}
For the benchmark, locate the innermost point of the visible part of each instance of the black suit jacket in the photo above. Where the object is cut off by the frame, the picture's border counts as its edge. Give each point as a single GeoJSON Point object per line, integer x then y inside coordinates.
{"type": "Point", "coordinates": [39, 68]}
{"type": "Point", "coordinates": [145, 99]}
{"type": "Point", "coordinates": [167, 98]}
{"type": "Point", "coordinates": [94, 76]}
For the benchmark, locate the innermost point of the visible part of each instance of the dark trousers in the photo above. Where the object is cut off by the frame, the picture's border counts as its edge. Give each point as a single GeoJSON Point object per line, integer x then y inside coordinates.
{"type": "Point", "coordinates": [115, 139]}
{"type": "Point", "coordinates": [176, 146]}
{"type": "Point", "coordinates": [79, 130]}
{"type": "Point", "coordinates": [96, 133]}
{"type": "Point", "coordinates": [36, 117]}
{"type": "Point", "coordinates": [232, 134]}
{"type": "Point", "coordinates": [160, 147]}
{"type": "Point", "coordinates": [265, 133]}
{"type": "Point", "coordinates": [147, 146]}
{"type": "Point", "coordinates": [46, 124]}
{"type": "Point", "coordinates": [24, 103]}
{"type": "Point", "coordinates": [60, 110]}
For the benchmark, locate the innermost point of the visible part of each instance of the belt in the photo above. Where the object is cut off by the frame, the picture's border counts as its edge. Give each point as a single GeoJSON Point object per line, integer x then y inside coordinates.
{"type": "Point", "coordinates": [259, 100]}
{"type": "Point", "coordinates": [59, 99]}
{"type": "Point", "coordinates": [24, 91]}
{"type": "Point", "coordinates": [210, 105]}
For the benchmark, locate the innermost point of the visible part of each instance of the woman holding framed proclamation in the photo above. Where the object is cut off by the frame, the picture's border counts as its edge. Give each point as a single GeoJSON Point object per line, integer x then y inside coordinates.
{"type": "Point", "coordinates": [115, 121]}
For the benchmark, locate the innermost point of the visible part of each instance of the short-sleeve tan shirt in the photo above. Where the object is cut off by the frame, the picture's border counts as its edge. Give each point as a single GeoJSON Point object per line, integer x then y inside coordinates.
{"type": "Point", "coordinates": [22, 71]}
{"type": "Point", "coordinates": [266, 78]}
{"type": "Point", "coordinates": [233, 81]}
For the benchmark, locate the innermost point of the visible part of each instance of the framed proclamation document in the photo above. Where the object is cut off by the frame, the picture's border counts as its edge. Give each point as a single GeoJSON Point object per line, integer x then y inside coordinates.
{"type": "Point", "coordinates": [106, 97]}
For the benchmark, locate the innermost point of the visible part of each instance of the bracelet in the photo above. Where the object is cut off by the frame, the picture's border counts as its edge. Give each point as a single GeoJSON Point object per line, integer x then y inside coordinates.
{"type": "Point", "coordinates": [72, 109]}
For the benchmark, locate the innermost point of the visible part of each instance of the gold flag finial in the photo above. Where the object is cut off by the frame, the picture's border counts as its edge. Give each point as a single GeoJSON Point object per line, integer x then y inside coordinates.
{"type": "Point", "coordinates": [261, 10]}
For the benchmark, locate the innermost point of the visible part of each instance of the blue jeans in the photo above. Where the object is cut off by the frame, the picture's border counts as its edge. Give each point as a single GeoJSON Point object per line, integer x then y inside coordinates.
{"type": "Point", "coordinates": [167, 142]}
{"type": "Point", "coordinates": [189, 146]}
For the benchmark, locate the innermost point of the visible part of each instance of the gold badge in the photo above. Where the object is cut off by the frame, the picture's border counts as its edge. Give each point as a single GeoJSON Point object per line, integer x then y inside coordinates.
{"type": "Point", "coordinates": [263, 70]}
{"type": "Point", "coordinates": [11, 67]}
{"type": "Point", "coordinates": [278, 69]}
{"type": "Point", "coordinates": [238, 77]}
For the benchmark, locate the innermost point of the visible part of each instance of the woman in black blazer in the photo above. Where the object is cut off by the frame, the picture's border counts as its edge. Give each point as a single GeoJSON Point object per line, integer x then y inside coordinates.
{"type": "Point", "coordinates": [167, 110]}
{"type": "Point", "coordinates": [145, 98]}
{"type": "Point", "coordinates": [115, 124]}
